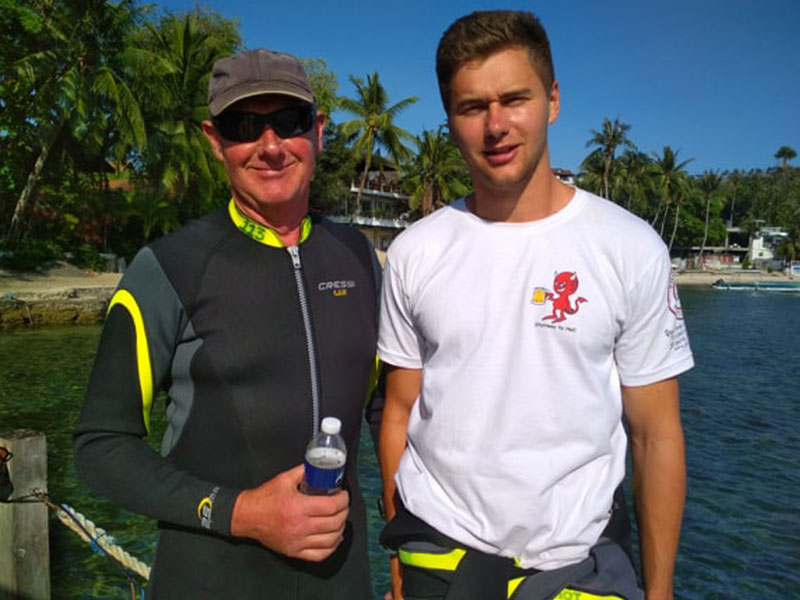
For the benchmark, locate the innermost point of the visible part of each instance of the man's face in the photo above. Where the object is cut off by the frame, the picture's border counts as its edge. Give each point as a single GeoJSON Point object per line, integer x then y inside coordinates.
{"type": "Point", "coordinates": [499, 114]}
{"type": "Point", "coordinates": [270, 172]}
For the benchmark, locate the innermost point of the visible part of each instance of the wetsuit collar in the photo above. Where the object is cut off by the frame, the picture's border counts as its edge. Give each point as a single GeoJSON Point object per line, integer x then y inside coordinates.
{"type": "Point", "coordinates": [260, 233]}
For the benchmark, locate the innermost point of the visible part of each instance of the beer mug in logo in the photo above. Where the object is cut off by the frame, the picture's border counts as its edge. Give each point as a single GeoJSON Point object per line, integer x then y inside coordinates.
{"type": "Point", "coordinates": [539, 296]}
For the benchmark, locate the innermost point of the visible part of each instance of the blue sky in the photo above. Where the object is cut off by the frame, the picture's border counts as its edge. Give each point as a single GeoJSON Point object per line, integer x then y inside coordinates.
{"type": "Point", "coordinates": [718, 80]}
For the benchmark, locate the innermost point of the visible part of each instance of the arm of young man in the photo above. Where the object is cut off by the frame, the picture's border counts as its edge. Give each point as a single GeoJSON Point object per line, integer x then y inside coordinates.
{"type": "Point", "coordinates": [402, 389]}
{"type": "Point", "coordinates": [659, 479]}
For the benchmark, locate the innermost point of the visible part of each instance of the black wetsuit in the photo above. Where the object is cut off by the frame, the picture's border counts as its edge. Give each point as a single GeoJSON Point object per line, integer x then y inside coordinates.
{"type": "Point", "coordinates": [253, 346]}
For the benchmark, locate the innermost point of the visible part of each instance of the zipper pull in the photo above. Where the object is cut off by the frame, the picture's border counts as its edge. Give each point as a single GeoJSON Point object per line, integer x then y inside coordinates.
{"type": "Point", "coordinates": [294, 252]}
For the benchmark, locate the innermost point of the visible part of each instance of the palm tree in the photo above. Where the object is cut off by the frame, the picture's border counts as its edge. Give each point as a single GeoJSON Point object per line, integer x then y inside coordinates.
{"type": "Point", "coordinates": [612, 136]}
{"type": "Point", "coordinates": [75, 81]}
{"type": "Point", "coordinates": [709, 184]}
{"type": "Point", "coordinates": [438, 173]}
{"type": "Point", "coordinates": [671, 183]}
{"type": "Point", "coordinates": [789, 248]}
{"type": "Point", "coordinates": [735, 179]}
{"type": "Point", "coordinates": [374, 124]}
{"type": "Point", "coordinates": [785, 154]}
{"type": "Point", "coordinates": [173, 60]}
{"type": "Point", "coordinates": [636, 180]}
{"type": "Point", "coordinates": [592, 172]}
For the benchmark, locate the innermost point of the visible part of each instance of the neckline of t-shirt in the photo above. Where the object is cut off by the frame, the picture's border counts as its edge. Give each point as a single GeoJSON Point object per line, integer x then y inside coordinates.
{"type": "Point", "coordinates": [572, 208]}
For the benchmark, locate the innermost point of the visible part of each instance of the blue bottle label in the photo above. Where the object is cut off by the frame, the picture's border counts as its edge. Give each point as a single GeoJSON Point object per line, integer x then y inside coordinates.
{"type": "Point", "coordinates": [324, 469]}
{"type": "Point", "coordinates": [319, 478]}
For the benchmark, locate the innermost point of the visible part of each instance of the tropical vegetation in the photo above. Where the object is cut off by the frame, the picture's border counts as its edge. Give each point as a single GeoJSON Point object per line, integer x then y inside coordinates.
{"type": "Point", "coordinates": [692, 211]}
{"type": "Point", "coordinates": [101, 146]}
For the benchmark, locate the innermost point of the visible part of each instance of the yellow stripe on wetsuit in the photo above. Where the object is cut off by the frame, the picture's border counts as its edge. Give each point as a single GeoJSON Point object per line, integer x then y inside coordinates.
{"type": "Point", "coordinates": [143, 366]}
{"type": "Point", "coordinates": [448, 561]}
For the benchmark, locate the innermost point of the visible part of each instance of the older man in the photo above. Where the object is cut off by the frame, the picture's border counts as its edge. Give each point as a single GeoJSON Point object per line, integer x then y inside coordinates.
{"type": "Point", "coordinates": [257, 320]}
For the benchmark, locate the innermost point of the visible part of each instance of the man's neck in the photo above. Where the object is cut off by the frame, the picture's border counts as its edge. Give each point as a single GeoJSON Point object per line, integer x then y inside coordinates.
{"type": "Point", "coordinates": [538, 198]}
{"type": "Point", "coordinates": [284, 220]}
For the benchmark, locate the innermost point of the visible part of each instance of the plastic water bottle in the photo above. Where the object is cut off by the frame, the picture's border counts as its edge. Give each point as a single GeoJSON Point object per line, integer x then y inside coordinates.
{"type": "Point", "coordinates": [325, 458]}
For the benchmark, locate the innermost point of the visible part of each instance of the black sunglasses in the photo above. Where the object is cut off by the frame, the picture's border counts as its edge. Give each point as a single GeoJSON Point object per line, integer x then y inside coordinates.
{"type": "Point", "coordinates": [247, 127]}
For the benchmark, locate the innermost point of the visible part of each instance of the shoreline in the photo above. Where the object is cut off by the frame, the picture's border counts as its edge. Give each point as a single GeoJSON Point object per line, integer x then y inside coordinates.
{"type": "Point", "coordinates": [709, 276]}
{"type": "Point", "coordinates": [63, 294]}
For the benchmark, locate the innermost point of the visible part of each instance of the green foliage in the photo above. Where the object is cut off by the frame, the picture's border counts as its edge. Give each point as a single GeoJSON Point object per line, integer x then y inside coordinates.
{"type": "Point", "coordinates": [335, 170]}
{"type": "Point", "coordinates": [92, 88]}
{"type": "Point", "coordinates": [437, 175]}
{"type": "Point", "coordinates": [172, 57]}
{"type": "Point", "coordinates": [323, 83]}
{"type": "Point", "coordinates": [67, 91]}
{"type": "Point", "coordinates": [32, 253]}
{"type": "Point", "coordinates": [88, 256]}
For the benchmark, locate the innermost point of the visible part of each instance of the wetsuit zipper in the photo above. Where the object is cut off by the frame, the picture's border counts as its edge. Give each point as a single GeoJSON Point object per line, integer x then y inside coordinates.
{"type": "Point", "coordinates": [294, 252]}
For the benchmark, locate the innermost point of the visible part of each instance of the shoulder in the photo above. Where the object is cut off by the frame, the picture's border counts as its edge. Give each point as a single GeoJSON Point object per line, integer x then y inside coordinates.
{"type": "Point", "coordinates": [611, 223]}
{"type": "Point", "coordinates": [182, 256]}
{"type": "Point", "coordinates": [341, 231]}
{"type": "Point", "coordinates": [327, 233]}
{"type": "Point", "coordinates": [197, 236]}
{"type": "Point", "coordinates": [433, 231]}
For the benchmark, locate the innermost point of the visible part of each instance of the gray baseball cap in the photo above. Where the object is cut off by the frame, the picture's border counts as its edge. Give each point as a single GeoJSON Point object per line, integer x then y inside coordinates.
{"type": "Point", "coordinates": [253, 73]}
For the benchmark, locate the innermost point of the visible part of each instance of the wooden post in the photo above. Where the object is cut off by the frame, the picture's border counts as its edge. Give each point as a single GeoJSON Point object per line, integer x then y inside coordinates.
{"type": "Point", "coordinates": [24, 544]}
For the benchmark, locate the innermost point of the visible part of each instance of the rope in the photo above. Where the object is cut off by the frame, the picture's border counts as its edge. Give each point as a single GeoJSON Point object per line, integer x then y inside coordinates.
{"type": "Point", "coordinates": [100, 541]}
{"type": "Point", "coordinates": [98, 538]}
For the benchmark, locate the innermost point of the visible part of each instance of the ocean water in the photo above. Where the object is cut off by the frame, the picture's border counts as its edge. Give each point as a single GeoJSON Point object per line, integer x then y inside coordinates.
{"type": "Point", "coordinates": [740, 406]}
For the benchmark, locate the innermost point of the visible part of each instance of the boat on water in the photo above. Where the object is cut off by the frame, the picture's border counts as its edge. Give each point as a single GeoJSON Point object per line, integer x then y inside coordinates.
{"type": "Point", "coordinates": [758, 286]}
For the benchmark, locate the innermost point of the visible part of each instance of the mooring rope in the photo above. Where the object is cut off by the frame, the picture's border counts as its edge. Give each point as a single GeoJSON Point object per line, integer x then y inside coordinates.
{"type": "Point", "coordinates": [99, 540]}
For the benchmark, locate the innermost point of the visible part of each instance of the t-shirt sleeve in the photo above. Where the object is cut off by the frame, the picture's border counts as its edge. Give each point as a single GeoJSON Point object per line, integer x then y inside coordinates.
{"type": "Point", "coordinates": [653, 344]}
{"type": "Point", "coordinates": [399, 342]}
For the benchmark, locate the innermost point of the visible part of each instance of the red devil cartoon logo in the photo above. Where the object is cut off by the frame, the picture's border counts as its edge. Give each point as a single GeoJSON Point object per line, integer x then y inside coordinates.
{"type": "Point", "coordinates": [565, 285]}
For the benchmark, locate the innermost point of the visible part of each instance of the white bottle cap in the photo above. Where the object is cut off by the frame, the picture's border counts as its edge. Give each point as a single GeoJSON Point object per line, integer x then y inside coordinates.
{"type": "Point", "coordinates": [331, 425]}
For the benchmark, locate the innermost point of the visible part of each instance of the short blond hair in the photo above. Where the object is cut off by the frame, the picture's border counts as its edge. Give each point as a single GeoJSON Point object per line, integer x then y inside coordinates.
{"type": "Point", "coordinates": [482, 33]}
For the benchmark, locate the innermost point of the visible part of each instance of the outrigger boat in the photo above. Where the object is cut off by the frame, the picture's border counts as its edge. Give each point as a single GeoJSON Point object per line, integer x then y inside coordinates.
{"type": "Point", "coordinates": [758, 286]}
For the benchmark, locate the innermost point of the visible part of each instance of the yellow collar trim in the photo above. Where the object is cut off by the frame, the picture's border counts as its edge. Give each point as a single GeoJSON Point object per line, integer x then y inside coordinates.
{"type": "Point", "coordinates": [262, 234]}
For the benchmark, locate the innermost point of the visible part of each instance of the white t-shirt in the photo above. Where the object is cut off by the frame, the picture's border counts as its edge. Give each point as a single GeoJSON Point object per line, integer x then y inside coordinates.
{"type": "Point", "coordinates": [524, 332]}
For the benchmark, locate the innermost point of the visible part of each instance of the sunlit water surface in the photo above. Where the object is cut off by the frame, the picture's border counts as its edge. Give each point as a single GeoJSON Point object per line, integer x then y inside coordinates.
{"type": "Point", "coordinates": [741, 534]}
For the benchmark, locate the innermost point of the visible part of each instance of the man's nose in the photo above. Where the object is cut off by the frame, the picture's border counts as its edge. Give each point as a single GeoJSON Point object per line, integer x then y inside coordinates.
{"type": "Point", "coordinates": [496, 121]}
{"type": "Point", "coordinates": [269, 142]}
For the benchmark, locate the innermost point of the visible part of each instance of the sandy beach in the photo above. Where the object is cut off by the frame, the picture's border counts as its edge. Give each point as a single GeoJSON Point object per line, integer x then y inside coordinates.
{"type": "Point", "coordinates": [65, 294]}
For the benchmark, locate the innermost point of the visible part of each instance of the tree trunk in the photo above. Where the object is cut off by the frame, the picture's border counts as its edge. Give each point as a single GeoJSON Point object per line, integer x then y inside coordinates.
{"type": "Point", "coordinates": [664, 220]}
{"type": "Point", "coordinates": [658, 214]}
{"type": "Point", "coordinates": [15, 227]}
{"type": "Point", "coordinates": [705, 235]}
{"type": "Point", "coordinates": [357, 208]}
{"type": "Point", "coordinates": [427, 200]}
{"type": "Point", "coordinates": [674, 225]}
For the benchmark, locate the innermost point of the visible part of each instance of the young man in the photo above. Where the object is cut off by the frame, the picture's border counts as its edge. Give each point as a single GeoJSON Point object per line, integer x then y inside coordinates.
{"type": "Point", "coordinates": [240, 318]}
{"type": "Point", "coordinates": [518, 324]}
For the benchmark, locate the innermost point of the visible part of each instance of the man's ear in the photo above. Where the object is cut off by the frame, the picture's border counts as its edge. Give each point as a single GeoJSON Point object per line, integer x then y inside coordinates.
{"type": "Point", "coordinates": [214, 140]}
{"type": "Point", "coordinates": [554, 104]}
{"type": "Point", "coordinates": [319, 130]}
